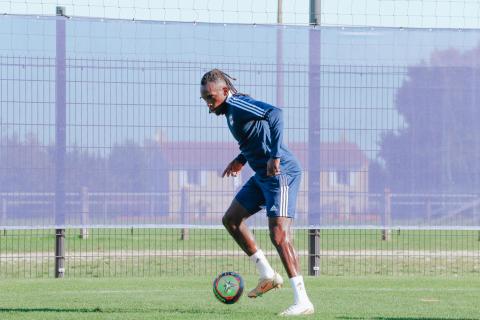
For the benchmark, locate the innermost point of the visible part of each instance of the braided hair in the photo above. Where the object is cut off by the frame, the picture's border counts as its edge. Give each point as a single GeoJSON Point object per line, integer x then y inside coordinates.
{"type": "Point", "coordinates": [215, 75]}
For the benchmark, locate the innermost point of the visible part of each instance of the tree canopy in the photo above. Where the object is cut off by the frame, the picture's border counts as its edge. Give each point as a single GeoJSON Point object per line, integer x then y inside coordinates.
{"type": "Point", "coordinates": [438, 149]}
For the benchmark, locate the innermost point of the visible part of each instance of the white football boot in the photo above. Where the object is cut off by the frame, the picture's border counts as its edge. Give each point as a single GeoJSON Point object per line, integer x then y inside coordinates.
{"type": "Point", "coordinates": [298, 310]}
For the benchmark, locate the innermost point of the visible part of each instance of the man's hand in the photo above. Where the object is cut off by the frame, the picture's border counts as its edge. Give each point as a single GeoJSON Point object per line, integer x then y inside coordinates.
{"type": "Point", "coordinates": [273, 167]}
{"type": "Point", "coordinates": [232, 169]}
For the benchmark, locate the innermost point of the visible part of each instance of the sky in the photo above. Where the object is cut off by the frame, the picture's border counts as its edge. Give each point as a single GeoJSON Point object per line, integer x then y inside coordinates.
{"type": "Point", "coordinates": [385, 13]}
{"type": "Point", "coordinates": [116, 113]}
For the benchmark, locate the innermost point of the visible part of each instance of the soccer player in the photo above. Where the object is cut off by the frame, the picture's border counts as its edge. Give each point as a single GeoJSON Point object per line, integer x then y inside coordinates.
{"type": "Point", "coordinates": [258, 128]}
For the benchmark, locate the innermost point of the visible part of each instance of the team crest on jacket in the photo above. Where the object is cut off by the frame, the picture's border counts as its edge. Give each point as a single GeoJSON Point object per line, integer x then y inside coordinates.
{"type": "Point", "coordinates": [230, 120]}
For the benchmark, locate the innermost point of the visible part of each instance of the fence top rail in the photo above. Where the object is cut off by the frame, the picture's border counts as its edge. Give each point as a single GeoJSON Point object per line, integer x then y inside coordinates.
{"type": "Point", "coordinates": [52, 194]}
{"type": "Point", "coordinates": [435, 195]}
{"type": "Point", "coordinates": [96, 193]}
{"type": "Point", "coordinates": [263, 227]}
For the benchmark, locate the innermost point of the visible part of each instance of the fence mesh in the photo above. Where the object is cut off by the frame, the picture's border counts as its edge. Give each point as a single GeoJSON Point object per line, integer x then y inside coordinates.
{"type": "Point", "coordinates": [382, 121]}
{"type": "Point", "coordinates": [133, 252]}
{"type": "Point", "coordinates": [102, 130]}
{"type": "Point", "coordinates": [455, 14]}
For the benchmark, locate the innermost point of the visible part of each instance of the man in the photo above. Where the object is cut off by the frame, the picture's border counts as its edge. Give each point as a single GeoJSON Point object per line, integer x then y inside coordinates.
{"type": "Point", "coordinates": [258, 128]}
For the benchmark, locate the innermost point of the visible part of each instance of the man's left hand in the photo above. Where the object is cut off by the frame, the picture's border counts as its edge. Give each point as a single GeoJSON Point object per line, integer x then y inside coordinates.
{"type": "Point", "coordinates": [273, 167]}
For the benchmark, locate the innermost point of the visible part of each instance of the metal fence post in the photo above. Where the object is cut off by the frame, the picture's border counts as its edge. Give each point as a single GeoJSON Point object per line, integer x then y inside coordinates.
{"type": "Point", "coordinates": [314, 108]}
{"type": "Point", "coordinates": [85, 213]}
{"type": "Point", "coordinates": [60, 141]}
{"type": "Point", "coordinates": [4, 215]}
{"type": "Point", "coordinates": [185, 214]}
{"type": "Point", "coordinates": [429, 210]}
{"type": "Point", "coordinates": [280, 71]}
{"type": "Point", "coordinates": [387, 214]}
{"type": "Point", "coordinates": [314, 254]}
{"type": "Point", "coordinates": [59, 253]}
{"type": "Point", "coordinates": [477, 214]}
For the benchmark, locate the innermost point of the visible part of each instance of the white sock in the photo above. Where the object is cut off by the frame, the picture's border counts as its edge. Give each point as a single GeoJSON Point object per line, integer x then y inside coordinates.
{"type": "Point", "coordinates": [299, 292]}
{"type": "Point", "coordinates": [263, 267]}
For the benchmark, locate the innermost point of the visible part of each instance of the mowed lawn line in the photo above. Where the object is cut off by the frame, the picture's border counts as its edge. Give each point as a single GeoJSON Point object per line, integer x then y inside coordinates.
{"type": "Point", "coordinates": [212, 239]}
{"type": "Point", "coordinates": [192, 298]}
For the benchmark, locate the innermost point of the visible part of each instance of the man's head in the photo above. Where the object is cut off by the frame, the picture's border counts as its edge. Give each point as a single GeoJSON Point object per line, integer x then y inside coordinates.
{"type": "Point", "coordinates": [214, 88]}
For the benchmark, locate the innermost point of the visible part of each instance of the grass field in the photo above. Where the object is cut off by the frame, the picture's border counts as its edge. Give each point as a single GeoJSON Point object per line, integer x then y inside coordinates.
{"type": "Point", "coordinates": [344, 298]}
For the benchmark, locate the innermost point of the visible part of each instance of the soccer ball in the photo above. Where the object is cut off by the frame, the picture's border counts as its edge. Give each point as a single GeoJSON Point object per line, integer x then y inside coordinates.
{"type": "Point", "coordinates": [228, 287]}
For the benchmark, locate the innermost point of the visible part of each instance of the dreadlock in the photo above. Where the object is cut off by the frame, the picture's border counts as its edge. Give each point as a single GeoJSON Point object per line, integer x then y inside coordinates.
{"type": "Point", "coordinates": [215, 75]}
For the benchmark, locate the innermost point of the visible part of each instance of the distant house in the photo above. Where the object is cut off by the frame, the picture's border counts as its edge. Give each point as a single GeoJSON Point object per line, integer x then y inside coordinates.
{"type": "Point", "coordinates": [197, 188]}
{"type": "Point", "coordinates": [343, 181]}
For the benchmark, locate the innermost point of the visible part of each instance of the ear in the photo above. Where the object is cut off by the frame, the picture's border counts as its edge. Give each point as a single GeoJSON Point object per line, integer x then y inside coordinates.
{"type": "Point", "coordinates": [225, 91]}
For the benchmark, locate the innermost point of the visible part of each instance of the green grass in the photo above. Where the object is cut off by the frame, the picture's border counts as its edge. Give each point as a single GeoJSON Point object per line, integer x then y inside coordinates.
{"type": "Point", "coordinates": [345, 298]}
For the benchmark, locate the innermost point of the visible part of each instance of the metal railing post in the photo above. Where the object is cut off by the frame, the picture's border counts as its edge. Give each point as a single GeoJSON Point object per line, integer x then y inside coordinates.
{"type": "Point", "coordinates": [387, 215]}
{"type": "Point", "coordinates": [60, 141]}
{"type": "Point", "coordinates": [85, 212]}
{"type": "Point", "coordinates": [314, 108]}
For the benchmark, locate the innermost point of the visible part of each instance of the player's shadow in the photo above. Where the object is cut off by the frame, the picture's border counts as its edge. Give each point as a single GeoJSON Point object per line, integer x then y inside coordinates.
{"type": "Point", "coordinates": [77, 310]}
{"type": "Point", "coordinates": [98, 310]}
{"type": "Point", "coordinates": [405, 318]}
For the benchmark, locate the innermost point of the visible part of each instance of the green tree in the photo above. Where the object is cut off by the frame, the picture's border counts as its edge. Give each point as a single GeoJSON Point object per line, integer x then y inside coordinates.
{"type": "Point", "coordinates": [438, 150]}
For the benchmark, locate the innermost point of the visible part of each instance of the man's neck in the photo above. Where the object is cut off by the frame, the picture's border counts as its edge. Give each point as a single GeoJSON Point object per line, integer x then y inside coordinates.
{"type": "Point", "coordinates": [222, 109]}
{"type": "Point", "coordinates": [229, 96]}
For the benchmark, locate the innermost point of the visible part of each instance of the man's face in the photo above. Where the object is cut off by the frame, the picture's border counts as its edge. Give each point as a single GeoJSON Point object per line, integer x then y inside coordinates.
{"type": "Point", "coordinates": [214, 94]}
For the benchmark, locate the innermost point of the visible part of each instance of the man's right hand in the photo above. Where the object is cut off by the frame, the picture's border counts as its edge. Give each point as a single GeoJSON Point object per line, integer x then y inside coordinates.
{"type": "Point", "coordinates": [232, 169]}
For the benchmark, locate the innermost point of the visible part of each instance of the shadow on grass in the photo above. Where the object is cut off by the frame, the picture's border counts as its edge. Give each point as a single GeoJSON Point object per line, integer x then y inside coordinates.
{"type": "Point", "coordinates": [99, 310]}
{"type": "Point", "coordinates": [79, 310]}
{"type": "Point", "coordinates": [405, 318]}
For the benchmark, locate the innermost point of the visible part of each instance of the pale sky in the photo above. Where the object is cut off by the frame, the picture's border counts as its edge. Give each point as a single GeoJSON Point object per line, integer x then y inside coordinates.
{"type": "Point", "coordinates": [210, 45]}
{"type": "Point", "coordinates": [385, 13]}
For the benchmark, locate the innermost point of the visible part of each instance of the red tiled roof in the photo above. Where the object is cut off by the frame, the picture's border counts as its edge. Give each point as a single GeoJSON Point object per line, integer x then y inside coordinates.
{"type": "Point", "coordinates": [216, 155]}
